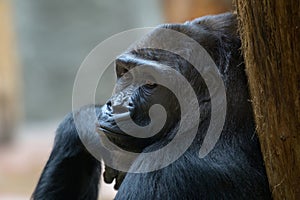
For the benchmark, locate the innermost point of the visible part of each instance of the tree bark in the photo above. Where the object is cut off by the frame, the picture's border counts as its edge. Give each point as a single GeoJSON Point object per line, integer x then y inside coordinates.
{"type": "Point", "coordinates": [183, 10]}
{"type": "Point", "coordinates": [271, 46]}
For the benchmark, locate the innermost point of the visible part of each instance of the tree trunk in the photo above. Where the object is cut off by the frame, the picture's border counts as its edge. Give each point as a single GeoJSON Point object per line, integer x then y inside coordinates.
{"type": "Point", "coordinates": [271, 45]}
{"type": "Point", "coordinates": [183, 10]}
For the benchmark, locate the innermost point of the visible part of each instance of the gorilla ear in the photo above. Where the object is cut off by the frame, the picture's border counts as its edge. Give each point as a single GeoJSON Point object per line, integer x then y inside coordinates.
{"type": "Point", "coordinates": [225, 23]}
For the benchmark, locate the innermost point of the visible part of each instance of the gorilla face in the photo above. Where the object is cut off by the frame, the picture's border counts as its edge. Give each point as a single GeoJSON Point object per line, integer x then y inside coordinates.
{"type": "Point", "coordinates": [134, 94]}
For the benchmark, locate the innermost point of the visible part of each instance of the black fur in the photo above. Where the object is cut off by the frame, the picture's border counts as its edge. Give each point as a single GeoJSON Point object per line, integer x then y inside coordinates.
{"type": "Point", "coordinates": [235, 168]}
{"type": "Point", "coordinates": [71, 172]}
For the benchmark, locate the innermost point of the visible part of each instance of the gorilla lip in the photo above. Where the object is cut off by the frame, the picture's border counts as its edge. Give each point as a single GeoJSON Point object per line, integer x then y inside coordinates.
{"type": "Point", "coordinates": [109, 132]}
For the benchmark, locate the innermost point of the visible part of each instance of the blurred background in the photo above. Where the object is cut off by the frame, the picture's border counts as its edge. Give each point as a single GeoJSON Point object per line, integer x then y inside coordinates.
{"type": "Point", "coordinates": [42, 44]}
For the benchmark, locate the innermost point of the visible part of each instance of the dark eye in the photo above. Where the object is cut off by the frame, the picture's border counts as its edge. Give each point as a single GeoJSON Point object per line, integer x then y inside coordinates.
{"type": "Point", "coordinates": [150, 84]}
{"type": "Point", "coordinates": [126, 76]}
{"type": "Point", "coordinates": [121, 71]}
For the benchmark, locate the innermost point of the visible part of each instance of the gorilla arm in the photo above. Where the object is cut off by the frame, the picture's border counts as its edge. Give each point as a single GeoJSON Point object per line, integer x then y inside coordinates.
{"type": "Point", "coordinates": [71, 171]}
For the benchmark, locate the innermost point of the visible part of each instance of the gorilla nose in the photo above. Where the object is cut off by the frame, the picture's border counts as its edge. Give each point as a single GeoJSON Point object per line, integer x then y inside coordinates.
{"type": "Point", "coordinates": [117, 108]}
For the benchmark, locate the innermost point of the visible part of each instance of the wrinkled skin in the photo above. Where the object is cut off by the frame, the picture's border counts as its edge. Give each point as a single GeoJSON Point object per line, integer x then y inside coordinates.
{"type": "Point", "coordinates": [234, 169]}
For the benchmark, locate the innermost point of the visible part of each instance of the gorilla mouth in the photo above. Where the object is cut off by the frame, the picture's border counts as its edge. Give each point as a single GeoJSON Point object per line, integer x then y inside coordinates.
{"type": "Point", "coordinates": [108, 131]}
{"type": "Point", "coordinates": [121, 139]}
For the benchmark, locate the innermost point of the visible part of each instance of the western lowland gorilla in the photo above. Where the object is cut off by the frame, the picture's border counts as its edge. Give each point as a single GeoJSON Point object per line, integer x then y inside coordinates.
{"type": "Point", "coordinates": [234, 169]}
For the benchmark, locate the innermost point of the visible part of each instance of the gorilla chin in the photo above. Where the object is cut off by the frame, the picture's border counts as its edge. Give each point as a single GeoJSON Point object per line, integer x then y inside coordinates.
{"type": "Point", "coordinates": [122, 140]}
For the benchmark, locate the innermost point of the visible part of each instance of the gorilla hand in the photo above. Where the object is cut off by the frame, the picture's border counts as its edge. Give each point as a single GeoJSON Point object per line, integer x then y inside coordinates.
{"type": "Point", "coordinates": [110, 174]}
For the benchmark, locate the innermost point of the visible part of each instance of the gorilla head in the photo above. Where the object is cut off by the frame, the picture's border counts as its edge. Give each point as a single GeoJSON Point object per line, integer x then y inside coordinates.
{"type": "Point", "coordinates": [135, 93]}
{"type": "Point", "coordinates": [138, 86]}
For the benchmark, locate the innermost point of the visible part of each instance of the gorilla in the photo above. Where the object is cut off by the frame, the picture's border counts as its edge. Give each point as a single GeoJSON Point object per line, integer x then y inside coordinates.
{"type": "Point", "coordinates": [233, 169]}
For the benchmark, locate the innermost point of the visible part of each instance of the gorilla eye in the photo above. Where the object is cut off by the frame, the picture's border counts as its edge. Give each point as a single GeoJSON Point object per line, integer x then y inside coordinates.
{"type": "Point", "coordinates": [150, 84]}
{"type": "Point", "coordinates": [123, 73]}
{"type": "Point", "coordinates": [126, 75]}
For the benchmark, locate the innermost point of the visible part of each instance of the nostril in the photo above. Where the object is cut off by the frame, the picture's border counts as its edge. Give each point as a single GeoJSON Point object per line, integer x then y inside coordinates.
{"type": "Point", "coordinates": [108, 104]}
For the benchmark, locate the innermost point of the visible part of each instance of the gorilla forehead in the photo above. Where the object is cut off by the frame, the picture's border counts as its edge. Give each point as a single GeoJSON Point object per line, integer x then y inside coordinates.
{"type": "Point", "coordinates": [145, 57]}
{"type": "Point", "coordinates": [220, 40]}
